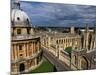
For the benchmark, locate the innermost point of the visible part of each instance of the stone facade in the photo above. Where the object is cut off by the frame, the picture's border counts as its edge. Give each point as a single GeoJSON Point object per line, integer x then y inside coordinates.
{"type": "Point", "coordinates": [26, 53]}
{"type": "Point", "coordinates": [83, 60]}
{"type": "Point", "coordinates": [88, 39]}
{"type": "Point", "coordinates": [83, 56]}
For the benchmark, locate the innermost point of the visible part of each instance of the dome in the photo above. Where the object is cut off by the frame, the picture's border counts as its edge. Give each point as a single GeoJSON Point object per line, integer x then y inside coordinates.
{"type": "Point", "coordinates": [19, 17]}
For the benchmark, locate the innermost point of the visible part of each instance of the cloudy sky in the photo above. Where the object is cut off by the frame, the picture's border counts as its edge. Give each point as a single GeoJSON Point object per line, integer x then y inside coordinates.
{"type": "Point", "coordinates": [54, 14]}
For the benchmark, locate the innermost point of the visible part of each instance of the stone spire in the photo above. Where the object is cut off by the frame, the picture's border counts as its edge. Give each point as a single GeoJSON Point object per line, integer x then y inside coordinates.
{"type": "Point", "coordinates": [87, 28]}
{"type": "Point", "coordinates": [72, 30]}
{"type": "Point", "coordinates": [86, 37]}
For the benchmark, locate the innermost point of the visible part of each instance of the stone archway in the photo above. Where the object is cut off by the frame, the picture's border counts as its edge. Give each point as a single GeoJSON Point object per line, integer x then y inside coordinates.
{"type": "Point", "coordinates": [21, 67]}
{"type": "Point", "coordinates": [84, 63]}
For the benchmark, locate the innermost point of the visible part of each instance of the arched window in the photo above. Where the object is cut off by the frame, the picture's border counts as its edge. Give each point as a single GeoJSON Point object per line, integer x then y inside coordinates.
{"type": "Point", "coordinates": [18, 31]}
{"type": "Point", "coordinates": [21, 67]}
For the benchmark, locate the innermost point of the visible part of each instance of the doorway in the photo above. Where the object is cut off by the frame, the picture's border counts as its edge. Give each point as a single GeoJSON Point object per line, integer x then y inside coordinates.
{"type": "Point", "coordinates": [21, 67]}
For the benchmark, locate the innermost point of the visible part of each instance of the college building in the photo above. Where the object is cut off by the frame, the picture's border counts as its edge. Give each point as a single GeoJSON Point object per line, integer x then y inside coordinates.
{"type": "Point", "coordinates": [26, 53]}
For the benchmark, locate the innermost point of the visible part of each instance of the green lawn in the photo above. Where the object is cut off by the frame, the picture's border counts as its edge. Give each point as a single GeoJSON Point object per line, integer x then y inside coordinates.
{"type": "Point", "coordinates": [68, 49]}
{"type": "Point", "coordinates": [46, 66]}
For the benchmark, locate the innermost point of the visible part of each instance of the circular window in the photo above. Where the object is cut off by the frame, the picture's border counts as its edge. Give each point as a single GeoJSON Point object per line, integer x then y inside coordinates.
{"type": "Point", "coordinates": [18, 18]}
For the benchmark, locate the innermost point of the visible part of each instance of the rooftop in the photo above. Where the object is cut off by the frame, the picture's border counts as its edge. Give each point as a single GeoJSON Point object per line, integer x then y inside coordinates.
{"type": "Point", "coordinates": [62, 35]}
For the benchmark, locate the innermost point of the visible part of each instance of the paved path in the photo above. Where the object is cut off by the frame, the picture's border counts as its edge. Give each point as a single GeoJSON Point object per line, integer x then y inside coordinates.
{"type": "Point", "coordinates": [60, 66]}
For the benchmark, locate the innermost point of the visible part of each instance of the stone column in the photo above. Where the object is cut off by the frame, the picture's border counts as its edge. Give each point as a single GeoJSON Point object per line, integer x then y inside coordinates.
{"type": "Point", "coordinates": [94, 44]}
{"type": "Point", "coordinates": [12, 52]}
{"type": "Point", "coordinates": [24, 50]}
{"type": "Point", "coordinates": [35, 47]}
{"type": "Point", "coordinates": [32, 47]}
{"type": "Point", "coordinates": [15, 52]}
{"type": "Point", "coordinates": [27, 49]}
{"type": "Point", "coordinates": [38, 45]}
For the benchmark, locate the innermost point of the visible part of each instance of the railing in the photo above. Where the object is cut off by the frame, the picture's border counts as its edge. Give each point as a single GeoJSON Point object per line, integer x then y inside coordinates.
{"type": "Point", "coordinates": [21, 37]}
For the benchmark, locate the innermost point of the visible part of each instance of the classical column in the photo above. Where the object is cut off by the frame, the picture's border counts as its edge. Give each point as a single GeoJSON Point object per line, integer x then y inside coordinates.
{"type": "Point", "coordinates": [15, 52]}
{"type": "Point", "coordinates": [12, 52]}
{"type": "Point", "coordinates": [24, 50]}
{"type": "Point", "coordinates": [27, 49]}
{"type": "Point", "coordinates": [38, 45]}
{"type": "Point", "coordinates": [32, 47]}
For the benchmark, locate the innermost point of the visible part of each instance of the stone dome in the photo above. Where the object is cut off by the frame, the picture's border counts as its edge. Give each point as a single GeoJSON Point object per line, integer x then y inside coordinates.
{"type": "Point", "coordinates": [19, 18]}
